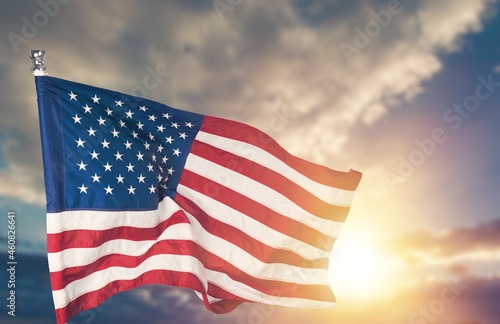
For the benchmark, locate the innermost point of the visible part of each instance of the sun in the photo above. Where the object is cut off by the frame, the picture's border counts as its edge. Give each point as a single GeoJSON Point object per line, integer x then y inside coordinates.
{"type": "Point", "coordinates": [359, 269]}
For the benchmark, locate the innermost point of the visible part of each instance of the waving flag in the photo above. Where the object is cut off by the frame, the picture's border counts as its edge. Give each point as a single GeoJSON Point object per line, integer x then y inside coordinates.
{"type": "Point", "coordinates": [142, 193]}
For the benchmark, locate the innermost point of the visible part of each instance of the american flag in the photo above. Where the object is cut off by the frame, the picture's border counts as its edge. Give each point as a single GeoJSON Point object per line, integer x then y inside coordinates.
{"type": "Point", "coordinates": [142, 193]}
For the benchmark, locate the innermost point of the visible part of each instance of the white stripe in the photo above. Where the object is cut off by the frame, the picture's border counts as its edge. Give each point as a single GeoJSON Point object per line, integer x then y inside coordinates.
{"type": "Point", "coordinates": [99, 279]}
{"type": "Point", "coordinates": [258, 192]}
{"type": "Point", "coordinates": [211, 299]}
{"type": "Point", "coordinates": [76, 257]}
{"type": "Point", "coordinates": [253, 228]}
{"type": "Point", "coordinates": [334, 196]}
{"type": "Point", "coordinates": [181, 263]}
{"type": "Point", "coordinates": [223, 249]}
{"type": "Point", "coordinates": [247, 263]}
{"type": "Point", "coordinates": [241, 290]}
{"type": "Point", "coordinates": [87, 219]}
{"type": "Point", "coordinates": [227, 251]}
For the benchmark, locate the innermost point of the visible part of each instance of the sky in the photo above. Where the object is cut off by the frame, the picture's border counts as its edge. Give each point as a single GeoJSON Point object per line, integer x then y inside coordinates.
{"type": "Point", "coordinates": [407, 92]}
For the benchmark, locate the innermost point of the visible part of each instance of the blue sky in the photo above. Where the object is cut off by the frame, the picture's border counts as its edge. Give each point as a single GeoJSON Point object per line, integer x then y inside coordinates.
{"type": "Point", "coordinates": [364, 111]}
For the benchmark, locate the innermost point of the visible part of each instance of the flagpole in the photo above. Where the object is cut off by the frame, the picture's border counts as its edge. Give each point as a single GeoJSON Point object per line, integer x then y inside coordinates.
{"type": "Point", "coordinates": [37, 66]}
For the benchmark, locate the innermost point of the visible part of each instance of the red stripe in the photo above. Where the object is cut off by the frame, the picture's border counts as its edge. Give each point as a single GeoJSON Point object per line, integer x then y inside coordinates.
{"type": "Point", "coordinates": [64, 277]}
{"type": "Point", "coordinates": [248, 134]}
{"type": "Point", "coordinates": [225, 306]}
{"type": "Point", "coordinates": [94, 238]}
{"type": "Point", "coordinates": [247, 243]}
{"type": "Point", "coordinates": [211, 261]}
{"type": "Point", "coordinates": [89, 239]}
{"type": "Point", "coordinates": [271, 179]}
{"type": "Point", "coordinates": [253, 209]}
{"type": "Point", "coordinates": [323, 294]}
{"type": "Point", "coordinates": [229, 300]}
{"type": "Point", "coordinates": [95, 298]}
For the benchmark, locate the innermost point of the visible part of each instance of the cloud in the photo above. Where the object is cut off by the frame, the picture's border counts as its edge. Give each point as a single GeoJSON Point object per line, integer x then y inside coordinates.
{"type": "Point", "coordinates": [464, 20]}
{"type": "Point", "coordinates": [456, 241]}
{"type": "Point", "coordinates": [260, 59]}
{"type": "Point", "coordinates": [26, 187]}
{"type": "Point", "coordinates": [468, 301]}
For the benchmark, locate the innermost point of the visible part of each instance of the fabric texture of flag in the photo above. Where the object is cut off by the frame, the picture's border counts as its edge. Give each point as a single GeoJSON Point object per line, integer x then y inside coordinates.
{"type": "Point", "coordinates": [141, 193]}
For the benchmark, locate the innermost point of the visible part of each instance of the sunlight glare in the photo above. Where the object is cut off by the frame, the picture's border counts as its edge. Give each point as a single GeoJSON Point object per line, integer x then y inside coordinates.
{"type": "Point", "coordinates": [359, 269]}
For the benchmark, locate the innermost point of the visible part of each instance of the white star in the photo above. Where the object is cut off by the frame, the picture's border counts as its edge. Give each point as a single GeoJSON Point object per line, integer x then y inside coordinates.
{"type": "Point", "coordinates": [143, 108]}
{"type": "Point", "coordinates": [150, 167]}
{"type": "Point", "coordinates": [189, 125]}
{"type": "Point", "coordinates": [139, 156]}
{"type": "Point", "coordinates": [169, 139]}
{"type": "Point", "coordinates": [107, 167]}
{"type": "Point", "coordinates": [177, 152]}
{"type": "Point", "coordinates": [115, 133]}
{"type": "Point", "coordinates": [95, 178]}
{"type": "Point", "coordinates": [79, 142]}
{"type": "Point", "coordinates": [76, 119]}
{"type": "Point", "coordinates": [141, 178]}
{"type": "Point", "coordinates": [91, 131]}
{"type": "Point", "coordinates": [82, 166]}
{"type": "Point", "coordinates": [87, 108]}
{"type": "Point", "coordinates": [153, 157]}
{"type": "Point", "coordinates": [109, 190]}
{"type": "Point", "coordinates": [94, 154]}
{"type": "Point", "coordinates": [152, 189]}
{"type": "Point", "coordinates": [152, 117]}
{"type": "Point", "coordinates": [182, 135]}
{"type": "Point", "coordinates": [159, 178]}
{"type": "Point", "coordinates": [101, 121]}
{"type": "Point", "coordinates": [164, 159]}
{"type": "Point", "coordinates": [160, 148]}
{"type": "Point", "coordinates": [95, 98]}
{"type": "Point", "coordinates": [122, 123]}
{"type": "Point", "coordinates": [72, 96]}
{"type": "Point", "coordinates": [166, 115]}
{"type": "Point", "coordinates": [160, 128]}
{"type": "Point", "coordinates": [131, 190]}
{"type": "Point", "coordinates": [120, 178]}
{"type": "Point", "coordinates": [175, 125]}
{"type": "Point", "coordinates": [118, 155]}
{"type": "Point", "coordinates": [146, 145]}
{"type": "Point", "coordinates": [139, 125]}
{"type": "Point", "coordinates": [171, 171]}
{"type": "Point", "coordinates": [161, 169]}
{"type": "Point", "coordinates": [151, 136]}
{"type": "Point", "coordinates": [130, 167]}
{"type": "Point", "coordinates": [134, 134]}
{"type": "Point", "coordinates": [129, 113]}
{"type": "Point", "coordinates": [119, 103]}
{"type": "Point", "coordinates": [128, 145]}
{"type": "Point", "coordinates": [105, 144]}
{"type": "Point", "coordinates": [83, 188]}
{"type": "Point", "coordinates": [109, 111]}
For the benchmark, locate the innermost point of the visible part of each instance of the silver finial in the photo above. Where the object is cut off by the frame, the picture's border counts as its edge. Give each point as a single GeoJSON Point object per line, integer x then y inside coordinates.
{"type": "Point", "coordinates": [37, 66]}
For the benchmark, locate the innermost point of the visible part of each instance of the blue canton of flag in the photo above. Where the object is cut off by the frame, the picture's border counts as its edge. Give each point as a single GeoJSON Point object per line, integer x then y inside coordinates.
{"type": "Point", "coordinates": [121, 152]}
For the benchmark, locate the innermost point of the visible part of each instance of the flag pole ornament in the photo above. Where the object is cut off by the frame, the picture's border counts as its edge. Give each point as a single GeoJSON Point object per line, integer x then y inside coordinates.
{"type": "Point", "coordinates": [37, 65]}
{"type": "Point", "coordinates": [142, 193]}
